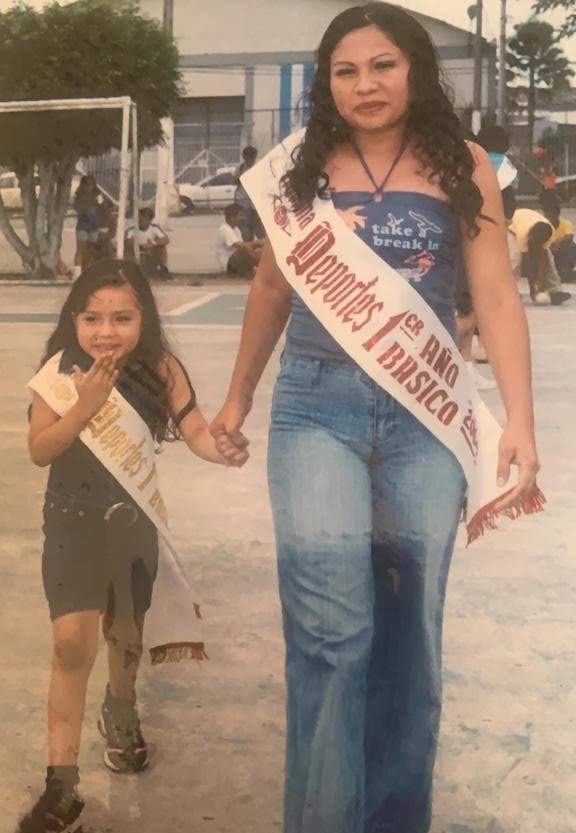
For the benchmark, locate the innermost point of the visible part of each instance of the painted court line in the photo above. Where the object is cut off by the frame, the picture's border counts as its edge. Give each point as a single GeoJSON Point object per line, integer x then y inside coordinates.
{"type": "Point", "coordinates": [199, 302]}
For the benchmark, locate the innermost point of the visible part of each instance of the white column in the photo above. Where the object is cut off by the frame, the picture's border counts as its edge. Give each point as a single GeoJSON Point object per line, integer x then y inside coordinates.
{"type": "Point", "coordinates": [124, 176]}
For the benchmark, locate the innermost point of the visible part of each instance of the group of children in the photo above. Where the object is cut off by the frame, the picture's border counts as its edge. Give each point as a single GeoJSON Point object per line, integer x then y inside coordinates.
{"type": "Point", "coordinates": [96, 230]}
{"type": "Point", "coordinates": [100, 551]}
{"type": "Point", "coordinates": [541, 245]}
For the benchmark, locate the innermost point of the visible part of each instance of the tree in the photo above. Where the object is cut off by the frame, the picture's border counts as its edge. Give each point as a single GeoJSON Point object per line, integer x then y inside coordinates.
{"type": "Point", "coordinates": [535, 59]}
{"type": "Point", "coordinates": [90, 48]}
{"type": "Point", "coordinates": [569, 26]}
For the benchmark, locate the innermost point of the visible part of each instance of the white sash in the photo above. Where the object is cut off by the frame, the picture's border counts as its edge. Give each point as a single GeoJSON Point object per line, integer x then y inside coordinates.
{"type": "Point", "coordinates": [385, 326]}
{"type": "Point", "coordinates": [120, 439]}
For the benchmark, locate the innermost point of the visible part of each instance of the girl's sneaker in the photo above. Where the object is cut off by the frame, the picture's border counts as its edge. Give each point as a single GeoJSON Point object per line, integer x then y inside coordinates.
{"type": "Point", "coordinates": [57, 810]}
{"type": "Point", "coordinates": [119, 725]}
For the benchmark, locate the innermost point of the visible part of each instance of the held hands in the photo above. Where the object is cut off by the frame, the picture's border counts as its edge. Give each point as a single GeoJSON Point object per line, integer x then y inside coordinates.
{"type": "Point", "coordinates": [235, 459]}
{"type": "Point", "coordinates": [231, 443]}
{"type": "Point", "coordinates": [517, 447]}
{"type": "Point", "coordinates": [95, 386]}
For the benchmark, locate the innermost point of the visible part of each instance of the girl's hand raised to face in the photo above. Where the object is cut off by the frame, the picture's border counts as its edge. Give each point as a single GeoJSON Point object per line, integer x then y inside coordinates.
{"type": "Point", "coordinates": [95, 386]}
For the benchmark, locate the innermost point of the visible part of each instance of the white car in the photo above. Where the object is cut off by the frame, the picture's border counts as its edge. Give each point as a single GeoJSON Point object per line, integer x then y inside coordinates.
{"type": "Point", "coordinates": [10, 189]}
{"type": "Point", "coordinates": [214, 191]}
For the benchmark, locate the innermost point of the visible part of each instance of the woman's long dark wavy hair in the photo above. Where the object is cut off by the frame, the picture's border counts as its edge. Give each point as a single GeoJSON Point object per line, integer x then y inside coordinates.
{"type": "Point", "coordinates": [140, 372]}
{"type": "Point", "coordinates": [432, 126]}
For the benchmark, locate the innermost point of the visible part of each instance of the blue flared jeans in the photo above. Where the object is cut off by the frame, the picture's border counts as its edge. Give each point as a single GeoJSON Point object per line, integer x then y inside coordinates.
{"type": "Point", "coordinates": [366, 504]}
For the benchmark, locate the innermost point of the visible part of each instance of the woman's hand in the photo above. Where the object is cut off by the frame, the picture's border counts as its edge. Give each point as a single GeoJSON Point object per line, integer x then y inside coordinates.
{"type": "Point", "coordinates": [235, 459]}
{"type": "Point", "coordinates": [518, 447]}
{"type": "Point", "coordinates": [95, 386]}
{"type": "Point", "coordinates": [225, 428]}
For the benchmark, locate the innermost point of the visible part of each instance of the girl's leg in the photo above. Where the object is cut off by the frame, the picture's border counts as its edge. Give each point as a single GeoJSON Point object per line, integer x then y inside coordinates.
{"type": "Point", "coordinates": [80, 254]}
{"type": "Point", "coordinates": [75, 646]}
{"type": "Point", "coordinates": [126, 749]}
{"type": "Point", "coordinates": [418, 492]}
{"type": "Point", "coordinates": [321, 501]}
{"type": "Point", "coordinates": [123, 663]}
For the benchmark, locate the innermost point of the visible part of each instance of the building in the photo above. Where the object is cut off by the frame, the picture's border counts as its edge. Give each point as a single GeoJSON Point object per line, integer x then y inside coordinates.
{"type": "Point", "coordinates": [246, 65]}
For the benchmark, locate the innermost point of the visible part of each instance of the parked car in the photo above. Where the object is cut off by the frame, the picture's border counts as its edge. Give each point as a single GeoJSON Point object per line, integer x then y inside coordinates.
{"type": "Point", "coordinates": [10, 189]}
{"type": "Point", "coordinates": [11, 196]}
{"type": "Point", "coordinates": [214, 191]}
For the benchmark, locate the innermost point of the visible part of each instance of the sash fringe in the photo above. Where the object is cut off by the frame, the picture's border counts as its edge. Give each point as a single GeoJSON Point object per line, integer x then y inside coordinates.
{"type": "Point", "coordinates": [178, 652]}
{"type": "Point", "coordinates": [486, 518]}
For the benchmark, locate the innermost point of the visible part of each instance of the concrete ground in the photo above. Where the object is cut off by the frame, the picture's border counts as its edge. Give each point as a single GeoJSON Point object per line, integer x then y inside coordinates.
{"type": "Point", "coordinates": [191, 249]}
{"type": "Point", "coordinates": [506, 761]}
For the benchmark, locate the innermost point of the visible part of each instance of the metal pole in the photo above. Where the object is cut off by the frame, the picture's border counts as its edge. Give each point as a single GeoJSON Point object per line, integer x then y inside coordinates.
{"type": "Point", "coordinates": [124, 174]}
{"type": "Point", "coordinates": [135, 180]}
{"type": "Point", "coordinates": [476, 116]}
{"type": "Point", "coordinates": [502, 66]}
{"type": "Point", "coordinates": [165, 153]}
{"type": "Point", "coordinates": [168, 16]}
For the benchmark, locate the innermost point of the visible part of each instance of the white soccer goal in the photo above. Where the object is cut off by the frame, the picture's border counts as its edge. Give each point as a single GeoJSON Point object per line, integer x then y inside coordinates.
{"type": "Point", "coordinates": [128, 162]}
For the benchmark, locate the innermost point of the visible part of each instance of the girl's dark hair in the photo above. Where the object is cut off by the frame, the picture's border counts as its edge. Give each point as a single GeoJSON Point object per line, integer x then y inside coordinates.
{"type": "Point", "coordinates": [141, 370]}
{"type": "Point", "coordinates": [432, 126]}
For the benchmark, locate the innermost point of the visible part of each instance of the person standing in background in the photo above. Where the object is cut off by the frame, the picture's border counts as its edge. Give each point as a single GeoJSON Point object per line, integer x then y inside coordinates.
{"type": "Point", "coordinates": [87, 201]}
{"type": "Point", "coordinates": [251, 226]}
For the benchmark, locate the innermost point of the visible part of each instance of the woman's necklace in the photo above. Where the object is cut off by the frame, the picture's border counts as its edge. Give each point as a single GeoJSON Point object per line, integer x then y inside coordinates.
{"type": "Point", "coordinates": [377, 193]}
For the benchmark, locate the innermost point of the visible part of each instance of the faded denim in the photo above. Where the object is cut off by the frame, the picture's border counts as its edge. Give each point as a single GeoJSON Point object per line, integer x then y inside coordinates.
{"type": "Point", "coordinates": [366, 504]}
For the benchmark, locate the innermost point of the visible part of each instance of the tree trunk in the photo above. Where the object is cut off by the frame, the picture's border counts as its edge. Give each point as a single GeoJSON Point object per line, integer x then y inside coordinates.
{"type": "Point", "coordinates": [22, 250]}
{"type": "Point", "coordinates": [59, 206]}
{"type": "Point", "coordinates": [531, 103]}
{"type": "Point", "coordinates": [44, 214]}
{"type": "Point", "coordinates": [26, 179]}
{"type": "Point", "coordinates": [46, 263]}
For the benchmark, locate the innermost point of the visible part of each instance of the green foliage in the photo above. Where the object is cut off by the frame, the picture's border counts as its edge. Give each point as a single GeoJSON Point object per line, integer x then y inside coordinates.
{"type": "Point", "coordinates": [533, 56]}
{"type": "Point", "coordinates": [536, 62]}
{"type": "Point", "coordinates": [91, 48]}
{"type": "Point", "coordinates": [569, 26]}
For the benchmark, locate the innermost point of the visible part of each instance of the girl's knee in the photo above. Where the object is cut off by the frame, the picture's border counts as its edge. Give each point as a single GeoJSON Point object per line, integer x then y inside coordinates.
{"type": "Point", "coordinates": [73, 654]}
{"type": "Point", "coordinates": [75, 641]}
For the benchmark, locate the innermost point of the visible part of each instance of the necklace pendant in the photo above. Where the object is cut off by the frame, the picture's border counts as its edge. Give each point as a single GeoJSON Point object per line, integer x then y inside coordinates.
{"type": "Point", "coordinates": [377, 197]}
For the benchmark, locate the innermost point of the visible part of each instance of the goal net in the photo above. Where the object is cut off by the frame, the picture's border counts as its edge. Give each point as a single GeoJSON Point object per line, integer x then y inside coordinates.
{"type": "Point", "coordinates": [117, 183]}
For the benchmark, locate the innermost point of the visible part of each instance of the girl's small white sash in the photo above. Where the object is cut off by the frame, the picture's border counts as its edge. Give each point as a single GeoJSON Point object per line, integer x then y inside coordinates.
{"type": "Point", "coordinates": [382, 322]}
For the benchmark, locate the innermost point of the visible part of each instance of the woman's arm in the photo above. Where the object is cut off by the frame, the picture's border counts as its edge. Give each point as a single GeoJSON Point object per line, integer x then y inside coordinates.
{"type": "Point", "coordinates": [504, 329]}
{"type": "Point", "coordinates": [266, 314]}
{"type": "Point", "coordinates": [48, 435]}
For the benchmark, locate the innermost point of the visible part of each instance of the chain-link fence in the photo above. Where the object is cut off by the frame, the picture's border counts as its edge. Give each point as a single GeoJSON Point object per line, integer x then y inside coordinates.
{"type": "Point", "coordinates": [202, 148]}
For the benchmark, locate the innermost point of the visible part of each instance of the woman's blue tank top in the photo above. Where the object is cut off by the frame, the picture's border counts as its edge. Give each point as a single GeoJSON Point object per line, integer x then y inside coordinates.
{"type": "Point", "coordinates": [414, 233]}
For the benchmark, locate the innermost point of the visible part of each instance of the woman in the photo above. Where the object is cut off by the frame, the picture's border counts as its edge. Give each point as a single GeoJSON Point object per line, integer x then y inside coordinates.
{"type": "Point", "coordinates": [366, 501]}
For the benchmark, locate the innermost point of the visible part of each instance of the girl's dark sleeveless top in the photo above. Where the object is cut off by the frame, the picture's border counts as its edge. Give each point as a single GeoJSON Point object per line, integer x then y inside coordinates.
{"type": "Point", "coordinates": [77, 472]}
{"type": "Point", "coordinates": [414, 233]}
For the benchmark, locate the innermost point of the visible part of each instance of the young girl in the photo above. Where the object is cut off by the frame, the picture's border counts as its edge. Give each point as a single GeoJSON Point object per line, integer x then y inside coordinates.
{"type": "Point", "coordinates": [109, 339]}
